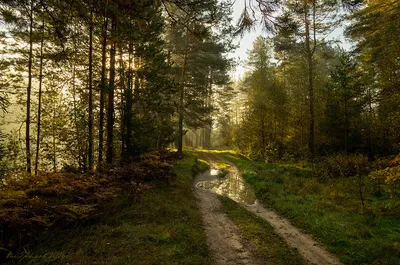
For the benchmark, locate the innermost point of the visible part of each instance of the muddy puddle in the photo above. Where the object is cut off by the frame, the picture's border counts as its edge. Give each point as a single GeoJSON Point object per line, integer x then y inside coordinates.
{"type": "Point", "coordinates": [232, 185]}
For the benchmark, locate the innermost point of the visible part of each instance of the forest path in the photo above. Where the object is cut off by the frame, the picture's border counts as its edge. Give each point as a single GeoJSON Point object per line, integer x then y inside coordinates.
{"type": "Point", "coordinates": [223, 238]}
{"type": "Point", "coordinates": [219, 227]}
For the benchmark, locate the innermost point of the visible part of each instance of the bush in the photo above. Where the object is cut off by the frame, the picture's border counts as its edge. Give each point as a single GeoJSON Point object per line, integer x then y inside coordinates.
{"type": "Point", "coordinates": [341, 166]}
{"type": "Point", "coordinates": [29, 205]}
{"type": "Point", "coordinates": [388, 174]}
{"type": "Point", "coordinates": [200, 166]}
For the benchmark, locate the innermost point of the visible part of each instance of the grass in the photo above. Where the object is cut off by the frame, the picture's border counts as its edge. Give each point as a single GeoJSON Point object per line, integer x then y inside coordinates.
{"type": "Point", "coordinates": [271, 248]}
{"type": "Point", "coordinates": [163, 227]}
{"type": "Point", "coordinates": [331, 211]}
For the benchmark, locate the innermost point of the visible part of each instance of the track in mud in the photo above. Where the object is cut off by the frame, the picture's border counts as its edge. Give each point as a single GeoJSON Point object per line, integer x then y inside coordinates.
{"type": "Point", "coordinates": [224, 239]}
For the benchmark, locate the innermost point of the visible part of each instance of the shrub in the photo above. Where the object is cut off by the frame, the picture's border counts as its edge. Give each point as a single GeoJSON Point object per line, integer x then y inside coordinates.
{"type": "Point", "coordinates": [388, 176]}
{"type": "Point", "coordinates": [200, 166]}
{"type": "Point", "coordinates": [342, 166]}
{"type": "Point", "coordinates": [29, 205]}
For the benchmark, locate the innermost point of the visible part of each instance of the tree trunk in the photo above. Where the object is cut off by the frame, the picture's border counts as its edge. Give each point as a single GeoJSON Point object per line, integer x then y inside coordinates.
{"type": "Point", "coordinates": [102, 89]}
{"type": "Point", "coordinates": [54, 137]}
{"type": "Point", "coordinates": [369, 126]}
{"type": "Point", "coordinates": [262, 131]}
{"type": "Point", "coordinates": [181, 96]}
{"type": "Point", "coordinates": [39, 100]}
{"type": "Point", "coordinates": [346, 121]}
{"type": "Point", "coordinates": [110, 107]}
{"type": "Point", "coordinates": [129, 104]}
{"type": "Point", "coordinates": [208, 127]}
{"type": "Point", "coordinates": [76, 115]}
{"type": "Point", "coordinates": [197, 139]}
{"type": "Point", "coordinates": [90, 151]}
{"type": "Point", "coordinates": [310, 52]}
{"type": "Point", "coordinates": [136, 92]}
{"type": "Point", "coordinates": [311, 139]}
{"type": "Point", "coordinates": [28, 99]}
{"type": "Point", "coordinates": [122, 102]}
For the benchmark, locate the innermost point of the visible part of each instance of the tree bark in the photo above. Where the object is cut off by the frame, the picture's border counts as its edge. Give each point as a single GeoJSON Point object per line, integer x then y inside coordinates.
{"type": "Point", "coordinates": [76, 115]}
{"type": "Point", "coordinates": [129, 104]}
{"type": "Point", "coordinates": [262, 132]}
{"type": "Point", "coordinates": [181, 96]}
{"type": "Point", "coordinates": [346, 119]}
{"type": "Point", "coordinates": [122, 102]}
{"type": "Point", "coordinates": [102, 88]}
{"type": "Point", "coordinates": [54, 137]}
{"type": "Point", "coordinates": [110, 107]}
{"type": "Point", "coordinates": [208, 127]}
{"type": "Point", "coordinates": [39, 100]}
{"type": "Point", "coordinates": [29, 88]}
{"type": "Point", "coordinates": [310, 52]}
{"type": "Point", "coordinates": [90, 151]}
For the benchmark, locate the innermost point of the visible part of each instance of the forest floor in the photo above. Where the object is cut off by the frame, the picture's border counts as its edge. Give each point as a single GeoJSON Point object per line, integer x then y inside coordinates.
{"type": "Point", "coordinates": [162, 226]}
{"type": "Point", "coordinates": [224, 237]}
{"type": "Point", "coordinates": [183, 220]}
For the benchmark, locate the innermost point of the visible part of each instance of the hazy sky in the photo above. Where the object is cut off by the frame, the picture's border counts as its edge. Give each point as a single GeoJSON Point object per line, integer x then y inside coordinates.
{"type": "Point", "coordinates": [246, 42]}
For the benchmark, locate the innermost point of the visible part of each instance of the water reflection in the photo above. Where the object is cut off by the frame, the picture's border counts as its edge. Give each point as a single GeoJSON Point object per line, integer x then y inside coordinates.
{"type": "Point", "coordinates": [214, 172]}
{"type": "Point", "coordinates": [232, 186]}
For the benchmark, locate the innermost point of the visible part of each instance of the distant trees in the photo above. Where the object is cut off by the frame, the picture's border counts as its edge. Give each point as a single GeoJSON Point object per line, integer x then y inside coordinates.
{"type": "Point", "coordinates": [262, 129]}
{"type": "Point", "coordinates": [345, 103]}
{"type": "Point", "coordinates": [198, 57]}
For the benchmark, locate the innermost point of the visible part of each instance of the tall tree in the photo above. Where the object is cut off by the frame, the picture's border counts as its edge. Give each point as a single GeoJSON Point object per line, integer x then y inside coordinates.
{"type": "Point", "coordinates": [39, 112]}
{"type": "Point", "coordinates": [110, 106]}
{"type": "Point", "coordinates": [309, 21]}
{"type": "Point", "coordinates": [90, 78]}
{"type": "Point", "coordinates": [345, 104]}
{"type": "Point", "coordinates": [375, 28]}
{"type": "Point", "coordinates": [103, 84]}
{"type": "Point", "coordinates": [29, 91]}
{"type": "Point", "coordinates": [182, 93]}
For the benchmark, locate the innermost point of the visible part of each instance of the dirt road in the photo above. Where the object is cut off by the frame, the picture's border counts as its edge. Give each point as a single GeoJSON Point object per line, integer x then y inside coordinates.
{"type": "Point", "coordinates": [308, 248]}
{"type": "Point", "coordinates": [225, 242]}
{"type": "Point", "coordinates": [223, 238]}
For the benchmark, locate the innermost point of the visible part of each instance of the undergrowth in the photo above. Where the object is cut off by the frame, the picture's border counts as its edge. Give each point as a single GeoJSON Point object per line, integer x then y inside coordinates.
{"type": "Point", "coordinates": [153, 228]}
{"type": "Point", "coordinates": [331, 209]}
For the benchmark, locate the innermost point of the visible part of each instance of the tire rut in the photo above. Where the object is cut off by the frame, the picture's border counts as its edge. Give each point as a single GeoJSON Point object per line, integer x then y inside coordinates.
{"type": "Point", "coordinates": [224, 238]}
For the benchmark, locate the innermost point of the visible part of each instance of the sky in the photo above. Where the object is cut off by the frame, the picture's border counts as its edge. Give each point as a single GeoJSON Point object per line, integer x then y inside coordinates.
{"type": "Point", "coordinates": [246, 42]}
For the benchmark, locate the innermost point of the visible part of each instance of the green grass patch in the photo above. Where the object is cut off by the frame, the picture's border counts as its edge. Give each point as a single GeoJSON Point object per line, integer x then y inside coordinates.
{"type": "Point", "coordinates": [223, 169]}
{"type": "Point", "coordinates": [330, 210]}
{"type": "Point", "coordinates": [163, 227]}
{"type": "Point", "coordinates": [271, 248]}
